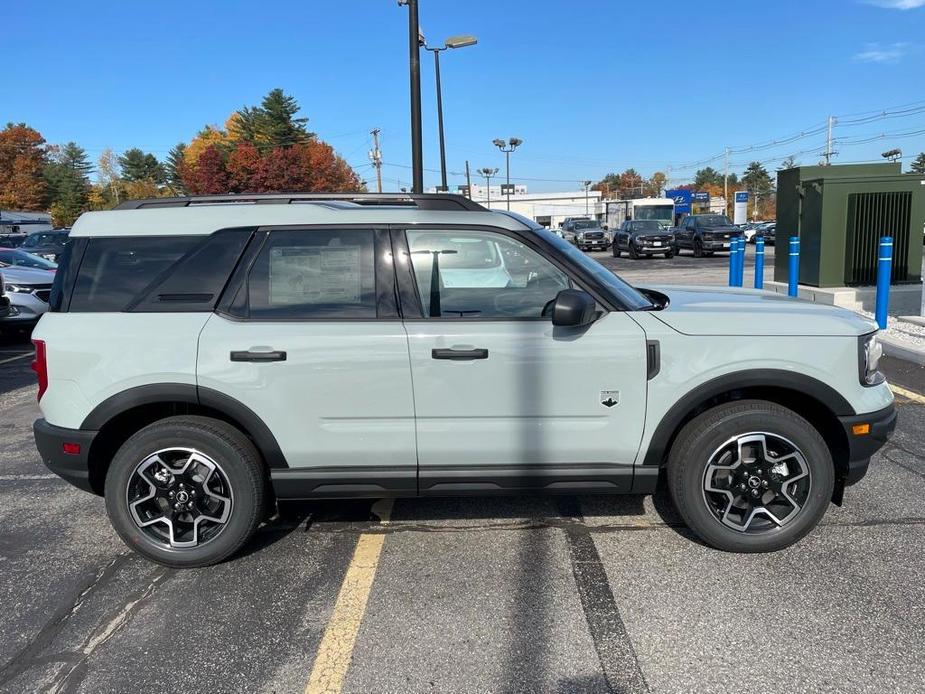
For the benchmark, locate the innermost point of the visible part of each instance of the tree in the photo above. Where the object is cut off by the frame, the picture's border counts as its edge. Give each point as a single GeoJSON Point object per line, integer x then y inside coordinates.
{"type": "Point", "coordinates": [22, 160]}
{"type": "Point", "coordinates": [630, 185]}
{"type": "Point", "coordinates": [654, 186]}
{"type": "Point", "coordinates": [707, 176]}
{"type": "Point", "coordinates": [272, 124]}
{"type": "Point", "coordinates": [758, 181]}
{"type": "Point", "coordinates": [918, 165]}
{"type": "Point", "coordinates": [243, 164]}
{"type": "Point", "coordinates": [109, 178]}
{"type": "Point", "coordinates": [173, 168]}
{"type": "Point", "coordinates": [209, 176]}
{"type": "Point", "coordinates": [67, 177]}
{"type": "Point", "coordinates": [608, 185]}
{"type": "Point", "coordinates": [788, 163]}
{"type": "Point", "coordinates": [138, 166]}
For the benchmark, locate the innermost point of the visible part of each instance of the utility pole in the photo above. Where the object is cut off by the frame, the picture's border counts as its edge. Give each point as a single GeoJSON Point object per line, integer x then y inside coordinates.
{"type": "Point", "coordinates": [375, 156]}
{"type": "Point", "coordinates": [587, 187]}
{"type": "Point", "coordinates": [468, 181]}
{"type": "Point", "coordinates": [726, 182]}
{"type": "Point", "coordinates": [414, 54]}
{"type": "Point", "coordinates": [828, 142]}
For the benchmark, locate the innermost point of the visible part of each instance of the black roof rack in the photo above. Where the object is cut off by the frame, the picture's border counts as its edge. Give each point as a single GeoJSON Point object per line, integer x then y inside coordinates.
{"type": "Point", "coordinates": [422, 201]}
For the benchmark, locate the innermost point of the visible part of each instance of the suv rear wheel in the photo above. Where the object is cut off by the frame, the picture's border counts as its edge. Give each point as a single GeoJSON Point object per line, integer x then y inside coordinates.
{"type": "Point", "coordinates": [750, 476]}
{"type": "Point", "coordinates": [186, 491]}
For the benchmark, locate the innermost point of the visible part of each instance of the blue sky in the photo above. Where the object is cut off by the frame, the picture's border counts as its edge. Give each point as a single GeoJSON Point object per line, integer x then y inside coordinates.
{"type": "Point", "coordinates": [590, 86]}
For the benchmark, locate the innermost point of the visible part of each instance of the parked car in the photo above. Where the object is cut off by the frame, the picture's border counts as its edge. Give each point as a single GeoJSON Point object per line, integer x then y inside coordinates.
{"type": "Point", "coordinates": [201, 361]}
{"type": "Point", "coordinates": [589, 236]}
{"type": "Point", "coordinates": [28, 290]}
{"type": "Point", "coordinates": [4, 302]}
{"type": "Point", "coordinates": [12, 240]}
{"type": "Point", "coordinates": [15, 257]}
{"type": "Point", "coordinates": [768, 232]}
{"type": "Point", "coordinates": [705, 234]}
{"type": "Point", "coordinates": [642, 238]}
{"type": "Point", "coordinates": [46, 244]}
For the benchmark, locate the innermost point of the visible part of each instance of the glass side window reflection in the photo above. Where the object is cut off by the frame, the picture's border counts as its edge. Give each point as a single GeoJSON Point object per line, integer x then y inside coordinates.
{"type": "Point", "coordinates": [479, 274]}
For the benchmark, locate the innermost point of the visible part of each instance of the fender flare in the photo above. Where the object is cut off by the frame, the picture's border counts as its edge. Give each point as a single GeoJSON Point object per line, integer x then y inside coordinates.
{"type": "Point", "coordinates": [190, 394]}
{"type": "Point", "coordinates": [808, 386]}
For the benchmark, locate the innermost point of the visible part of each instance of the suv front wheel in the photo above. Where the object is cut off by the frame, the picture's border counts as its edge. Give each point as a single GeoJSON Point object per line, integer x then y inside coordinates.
{"type": "Point", "coordinates": [750, 476]}
{"type": "Point", "coordinates": [186, 491]}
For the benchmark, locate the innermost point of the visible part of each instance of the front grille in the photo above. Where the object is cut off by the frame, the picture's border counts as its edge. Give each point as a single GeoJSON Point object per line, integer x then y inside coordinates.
{"type": "Point", "coordinates": [43, 294]}
{"type": "Point", "coordinates": [593, 235]}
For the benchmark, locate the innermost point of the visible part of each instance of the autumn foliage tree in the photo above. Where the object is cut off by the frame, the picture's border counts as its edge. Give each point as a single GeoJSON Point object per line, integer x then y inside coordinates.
{"type": "Point", "coordinates": [22, 163]}
{"type": "Point", "coordinates": [264, 149]}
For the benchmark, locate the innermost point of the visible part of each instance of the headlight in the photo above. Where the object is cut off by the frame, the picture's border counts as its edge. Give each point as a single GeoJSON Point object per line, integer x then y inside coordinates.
{"type": "Point", "coordinates": [15, 288]}
{"type": "Point", "coordinates": [869, 352]}
{"type": "Point", "coordinates": [581, 236]}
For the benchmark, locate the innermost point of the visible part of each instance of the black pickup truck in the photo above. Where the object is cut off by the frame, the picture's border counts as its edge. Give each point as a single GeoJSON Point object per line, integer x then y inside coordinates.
{"type": "Point", "coordinates": [705, 234]}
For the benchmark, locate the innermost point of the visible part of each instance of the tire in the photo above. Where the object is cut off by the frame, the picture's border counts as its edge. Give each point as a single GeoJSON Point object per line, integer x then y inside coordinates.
{"type": "Point", "coordinates": [711, 514]}
{"type": "Point", "coordinates": [632, 252]}
{"type": "Point", "coordinates": [698, 248]}
{"type": "Point", "coordinates": [615, 250]}
{"type": "Point", "coordinates": [669, 254]}
{"type": "Point", "coordinates": [234, 491]}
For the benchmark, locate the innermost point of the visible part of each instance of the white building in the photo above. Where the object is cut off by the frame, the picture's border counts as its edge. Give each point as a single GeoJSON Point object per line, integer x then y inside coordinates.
{"type": "Point", "coordinates": [12, 222]}
{"type": "Point", "coordinates": [548, 209]}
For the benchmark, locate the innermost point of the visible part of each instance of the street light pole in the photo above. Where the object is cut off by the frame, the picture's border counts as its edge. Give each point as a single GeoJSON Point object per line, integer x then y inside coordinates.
{"type": "Point", "coordinates": [587, 187]}
{"type": "Point", "coordinates": [452, 42]}
{"type": "Point", "coordinates": [507, 148]}
{"type": "Point", "coordinates": [487, 173]}
{"type": "Point", "coordinates": [414, 52]}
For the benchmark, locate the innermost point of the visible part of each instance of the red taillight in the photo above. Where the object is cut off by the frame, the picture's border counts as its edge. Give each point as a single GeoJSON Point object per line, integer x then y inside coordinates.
{"type": "Point", "coordinates": [40, 366]}
{"type": "Point", "coordinates": [71, 448]}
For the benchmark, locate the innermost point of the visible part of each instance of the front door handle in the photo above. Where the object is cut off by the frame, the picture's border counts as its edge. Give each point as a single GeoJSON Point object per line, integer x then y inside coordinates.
{"type": "Point", "coordinates": [274, 355]}
{"type": "Point", "coordinates": [459, 354]}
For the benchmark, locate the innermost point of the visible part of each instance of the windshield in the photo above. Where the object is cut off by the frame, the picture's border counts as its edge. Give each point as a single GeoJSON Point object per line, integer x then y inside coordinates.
{"type": "Point", "coordinates": [629, 296]}
{"type": "Point", "coordinates": [646, 225]}
{"type": "Point", "coordinates": [18, 258]}
{"type": "Point", "coordinates": [660, 213]}
{"type": "Point", "coordinates": [585, 224]}
{"type": "Point", "coordinates": [714, 220]}
{"type": "Point", "coordinates": [45, 239]}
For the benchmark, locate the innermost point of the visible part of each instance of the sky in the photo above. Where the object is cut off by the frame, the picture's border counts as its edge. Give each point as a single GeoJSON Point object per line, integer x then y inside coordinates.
{"type": "Point", "coordinates": [590, 86]}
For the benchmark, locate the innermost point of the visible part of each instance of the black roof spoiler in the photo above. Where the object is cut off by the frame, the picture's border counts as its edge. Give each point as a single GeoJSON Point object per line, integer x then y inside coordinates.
{"type": "Point", "coordinates": [421, 201]}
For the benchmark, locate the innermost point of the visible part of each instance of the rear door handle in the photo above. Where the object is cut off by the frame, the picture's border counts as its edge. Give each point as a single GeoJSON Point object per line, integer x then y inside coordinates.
{"type": "Point", "coordinates": [459, 354]}
{"type": "Point", "coordinates": [274, 355]}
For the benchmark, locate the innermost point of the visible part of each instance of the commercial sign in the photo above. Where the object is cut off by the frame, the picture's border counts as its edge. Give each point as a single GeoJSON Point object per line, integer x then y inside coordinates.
{"type": "Point", "coordinates": [740, 210]}
{"type": "Point", "coordinates": [702, 197]}
{"type": "Point", "coordinates": [682, 200]}
{"type": "Point", "coordinates": [507, 189]}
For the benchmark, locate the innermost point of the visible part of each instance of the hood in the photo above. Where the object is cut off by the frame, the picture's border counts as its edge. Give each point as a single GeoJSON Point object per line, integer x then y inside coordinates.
{"type": "Point", "coordinates": [752, 312]}
{"type": "Point", "coordinates": [27, 275]}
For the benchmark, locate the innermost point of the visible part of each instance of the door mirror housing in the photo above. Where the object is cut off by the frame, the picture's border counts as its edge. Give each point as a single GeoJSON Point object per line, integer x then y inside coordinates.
{"type": "Point", "coordinates": [573, 308]}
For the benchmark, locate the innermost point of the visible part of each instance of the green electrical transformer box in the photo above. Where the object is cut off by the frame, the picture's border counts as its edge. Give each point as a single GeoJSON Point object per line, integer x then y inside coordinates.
{"type": "Point", "coordinates": [840, 213]}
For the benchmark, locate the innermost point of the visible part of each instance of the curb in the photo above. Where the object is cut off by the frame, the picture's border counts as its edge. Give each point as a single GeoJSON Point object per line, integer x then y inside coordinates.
{"type": "Point", "coordinates": [897, 348]}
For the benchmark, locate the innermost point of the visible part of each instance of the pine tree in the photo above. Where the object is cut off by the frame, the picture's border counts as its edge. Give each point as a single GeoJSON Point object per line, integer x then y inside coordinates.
{"type": "Point", "coordinates": [138, 166]}
{"type": "Point", "coordinates": [918, 165]}
{"type": "Point", "coordinates": [67, 178]}
{"type": "Point", "coordinates": [173, 168]}
{"type": "Point", "coordinates": [271, 125]}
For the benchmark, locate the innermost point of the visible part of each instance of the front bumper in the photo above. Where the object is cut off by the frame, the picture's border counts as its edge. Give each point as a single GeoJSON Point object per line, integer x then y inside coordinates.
{"type": "Point", "coordinates": [25, 308]}
{"type": "Point", "coordinates": [717, 245]}
{"type": "Point", "coordinates": [862, 447]}
{"type": "Point", "coordinates": [74, 468]}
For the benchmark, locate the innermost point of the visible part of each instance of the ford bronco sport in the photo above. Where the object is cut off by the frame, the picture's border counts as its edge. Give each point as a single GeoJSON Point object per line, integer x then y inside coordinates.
{"type": "Point", "coordinates": [204, 357]}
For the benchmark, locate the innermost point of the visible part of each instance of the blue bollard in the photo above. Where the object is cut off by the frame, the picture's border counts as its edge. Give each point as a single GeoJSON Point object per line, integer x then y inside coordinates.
{"type": "Point", "coordinates": [732, 265]}
{"type": "Point", "coordinates": [759, 262]}
{"type": "Point", "coordinates": [740, 266]}
{"type": "Point", "coordinates": [884, 271]}
{"type": "Point", "coordinates": [794, 275]}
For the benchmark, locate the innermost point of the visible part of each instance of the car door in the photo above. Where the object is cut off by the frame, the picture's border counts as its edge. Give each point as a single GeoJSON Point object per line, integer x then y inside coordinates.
{"type": "Point", "coordinates": [312, 343]}
{"type": "Point", "coordinates": [503, 399]}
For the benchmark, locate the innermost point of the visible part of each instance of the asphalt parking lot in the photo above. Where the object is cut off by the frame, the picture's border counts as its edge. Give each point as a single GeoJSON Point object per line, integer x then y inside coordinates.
{"type": "Point", "coordinates": [526, 594]}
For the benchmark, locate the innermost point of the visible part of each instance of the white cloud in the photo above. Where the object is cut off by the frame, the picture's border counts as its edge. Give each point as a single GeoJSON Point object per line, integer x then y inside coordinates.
{"type": "Point", "coordinates": [886, 53]}
{"type": "Point", "coordinates": [897, 4]}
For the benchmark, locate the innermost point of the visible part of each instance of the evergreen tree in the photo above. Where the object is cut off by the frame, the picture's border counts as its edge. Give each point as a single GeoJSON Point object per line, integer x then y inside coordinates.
{"type": "Point", "coordinates": [173, 167]}
{"type": "Point", "coordinates": [707, 176]}
{"type": "Point", "coordinates": [272, 124]}
{"type": "Point", "coordinates": [68, 183]}
{"type": "Point", "coordinates": [918, 165]}
{"type": "Point", "coordinates": [138, 166]}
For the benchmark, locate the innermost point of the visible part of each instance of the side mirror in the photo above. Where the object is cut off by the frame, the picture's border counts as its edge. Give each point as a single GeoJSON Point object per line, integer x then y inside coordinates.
{"type": "Point", "coordinates": [573, 308]}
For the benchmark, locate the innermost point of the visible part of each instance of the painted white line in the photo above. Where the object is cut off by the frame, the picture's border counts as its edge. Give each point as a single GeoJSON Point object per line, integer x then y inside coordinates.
{"type": "Point", "coordinates": [908, 394]}
{"type": "Point", "coordinates": [336, 648]}
{"type": "Point", "coordinates": [21, 356]}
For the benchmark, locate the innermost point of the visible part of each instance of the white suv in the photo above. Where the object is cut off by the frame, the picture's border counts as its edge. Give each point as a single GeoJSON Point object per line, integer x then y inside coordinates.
{"type": "Point", "coordinates": [205, 356]}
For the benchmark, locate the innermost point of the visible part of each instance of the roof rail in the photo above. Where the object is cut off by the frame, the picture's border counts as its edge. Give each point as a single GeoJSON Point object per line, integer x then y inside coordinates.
{"type": "Point", "coordinates": [423, 201]}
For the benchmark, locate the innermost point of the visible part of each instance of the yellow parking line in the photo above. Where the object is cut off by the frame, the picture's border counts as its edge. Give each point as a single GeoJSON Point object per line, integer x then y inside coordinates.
{"type": "Point", "coordinates": [909, 394]}
{"type": "Point", "coordinates": [336, 649]}
{"type": "Point", "coordinates": [20, 356]}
